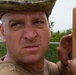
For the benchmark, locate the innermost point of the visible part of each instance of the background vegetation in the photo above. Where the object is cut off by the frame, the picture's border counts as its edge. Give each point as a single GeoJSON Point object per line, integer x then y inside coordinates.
{"type": "Point", "coordinates": [51, 53]}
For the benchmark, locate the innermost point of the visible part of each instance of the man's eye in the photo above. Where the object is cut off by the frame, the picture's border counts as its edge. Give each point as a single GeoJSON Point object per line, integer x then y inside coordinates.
{"type": "Point", "coordinates": [38, 22]}
{"type": "Point", "coordinates": [15, 24]}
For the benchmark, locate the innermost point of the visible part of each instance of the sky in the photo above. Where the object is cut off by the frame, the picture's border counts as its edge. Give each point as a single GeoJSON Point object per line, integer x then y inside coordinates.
{"type": "Point", "coordinates": [62, 15]}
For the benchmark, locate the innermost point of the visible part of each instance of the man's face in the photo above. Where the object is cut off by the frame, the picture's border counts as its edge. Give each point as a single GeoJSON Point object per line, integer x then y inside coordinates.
{"type": "Point", "coordinates": [26, 35]}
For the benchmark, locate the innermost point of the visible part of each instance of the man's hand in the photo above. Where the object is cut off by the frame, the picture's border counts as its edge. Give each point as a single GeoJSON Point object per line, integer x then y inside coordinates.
{"type": "Point", "coordinates": [65, 49]}
{"type": "Point", "coordinates": [72, 66]}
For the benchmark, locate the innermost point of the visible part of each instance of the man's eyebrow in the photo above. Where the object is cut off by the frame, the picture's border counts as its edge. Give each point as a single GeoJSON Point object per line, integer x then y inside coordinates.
{"type": "Point", "coordinates": [37, 18]}
{"type": "Point", "coordinates": [15, 20]}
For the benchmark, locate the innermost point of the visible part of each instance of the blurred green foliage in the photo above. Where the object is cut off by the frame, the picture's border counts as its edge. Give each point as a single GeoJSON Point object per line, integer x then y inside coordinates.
{"type": "Point", "coordinates": [2, 49]}
{"type": "Point", "coordinates": [51, 54]}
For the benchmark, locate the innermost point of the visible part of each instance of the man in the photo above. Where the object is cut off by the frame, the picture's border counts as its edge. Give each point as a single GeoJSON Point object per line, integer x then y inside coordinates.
{"type": "Point", "coordinates": [25, 30]}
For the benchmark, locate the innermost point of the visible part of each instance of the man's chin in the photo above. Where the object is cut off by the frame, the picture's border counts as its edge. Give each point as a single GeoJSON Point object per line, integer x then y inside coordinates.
{"type": "Point", "coordinates": [33, 60]}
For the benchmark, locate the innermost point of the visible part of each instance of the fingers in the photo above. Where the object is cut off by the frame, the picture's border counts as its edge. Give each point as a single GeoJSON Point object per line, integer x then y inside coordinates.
{"type": "Point", "coordinates": [64, 51]}
{"type": "Point", "coordinates": [62, 55]}
{"type": "Point", "coordinates": [66, 41]}
{"type": "Point", "coordinates": [72, 66]}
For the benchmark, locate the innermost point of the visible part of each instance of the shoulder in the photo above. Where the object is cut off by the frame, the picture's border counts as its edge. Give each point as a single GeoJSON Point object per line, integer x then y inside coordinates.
{"type": "Point", "coordinates": [7, 68]}
{"type": "Point", "coordinates": [51, 67]}
{"type": "Point", "coordinates": [50, 64]}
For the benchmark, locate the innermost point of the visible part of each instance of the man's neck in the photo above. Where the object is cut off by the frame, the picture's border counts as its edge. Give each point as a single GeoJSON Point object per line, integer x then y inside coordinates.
{"type": "Point", "coordinates": [39, 65]}
{"type": "Point", "coordinates": [35, 66]}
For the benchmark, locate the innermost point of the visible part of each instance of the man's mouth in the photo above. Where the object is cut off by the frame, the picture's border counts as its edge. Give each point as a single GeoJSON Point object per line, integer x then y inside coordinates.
{"type": "Point", "coordinates": [31, 48]}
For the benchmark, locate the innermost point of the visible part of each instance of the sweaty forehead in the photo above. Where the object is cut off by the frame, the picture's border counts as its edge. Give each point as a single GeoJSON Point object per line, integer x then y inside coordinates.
{"type": "Point", "coordinates": [20, 13]}
{"type": "Point", "coordinates": [23, 14]}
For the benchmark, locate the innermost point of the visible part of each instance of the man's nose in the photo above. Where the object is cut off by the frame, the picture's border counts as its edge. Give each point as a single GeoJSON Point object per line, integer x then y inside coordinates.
{"type": "Point", "coordinates": [30, 33]}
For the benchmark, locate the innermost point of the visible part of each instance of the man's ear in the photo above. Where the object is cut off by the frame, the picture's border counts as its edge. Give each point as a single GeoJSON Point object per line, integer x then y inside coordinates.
{"type": "Point", "coordinates": [2, 33]}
